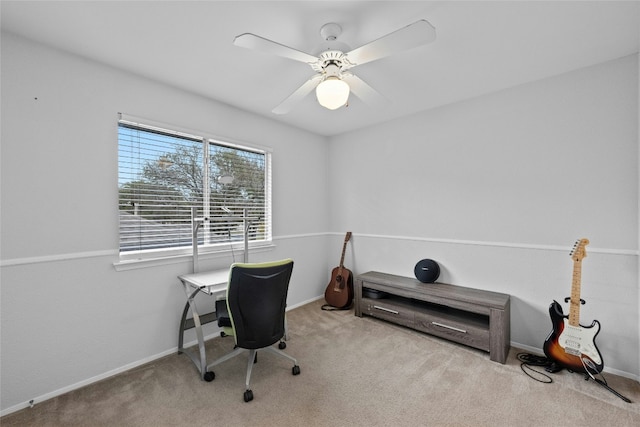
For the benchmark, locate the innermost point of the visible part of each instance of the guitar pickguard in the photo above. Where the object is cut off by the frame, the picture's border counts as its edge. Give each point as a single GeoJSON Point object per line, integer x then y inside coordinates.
{"type": "Point", "coordinates": [578, 340]}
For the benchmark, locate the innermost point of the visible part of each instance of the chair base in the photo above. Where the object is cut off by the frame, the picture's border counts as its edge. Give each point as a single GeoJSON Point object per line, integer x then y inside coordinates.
{"type": "Point", "coordinates": [253, 353]}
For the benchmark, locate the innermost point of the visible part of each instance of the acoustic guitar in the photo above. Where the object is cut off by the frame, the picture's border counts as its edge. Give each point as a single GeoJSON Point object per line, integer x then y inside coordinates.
{"type": "Point", "coordinates": [339, 292]}
{"type": "Point", "coordinates": [571, 345]}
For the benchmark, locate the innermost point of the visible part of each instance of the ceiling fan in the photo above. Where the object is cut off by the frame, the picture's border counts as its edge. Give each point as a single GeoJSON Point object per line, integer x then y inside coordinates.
{"type": "Point", "coordinates": [333, 80]}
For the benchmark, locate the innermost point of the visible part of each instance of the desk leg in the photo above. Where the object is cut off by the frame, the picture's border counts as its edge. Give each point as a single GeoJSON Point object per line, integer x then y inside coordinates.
{"type": "Point", "coordinates": [198, 328]}
{"type": "Point", "coordinates": [201, 361]}
{"type": "Point", "coordinates": [183, 326]}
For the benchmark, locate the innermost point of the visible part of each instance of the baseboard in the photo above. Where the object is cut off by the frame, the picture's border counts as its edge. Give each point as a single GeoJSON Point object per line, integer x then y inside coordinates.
{"type": "Point", "coordinates": [120, 370]}
{"type": "Point", "coordinates": [300, 304]}
{"type": "Point", "coordinates": [87, 382]}
{"type": "Point", "coordinates": [215, 334]}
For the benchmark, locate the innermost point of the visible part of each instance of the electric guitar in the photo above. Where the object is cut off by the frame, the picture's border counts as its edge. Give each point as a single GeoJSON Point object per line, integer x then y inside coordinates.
{"type": "Point", "coordinates": [571, 345]}
{"type": "Point", "coordinates": [339, 292]}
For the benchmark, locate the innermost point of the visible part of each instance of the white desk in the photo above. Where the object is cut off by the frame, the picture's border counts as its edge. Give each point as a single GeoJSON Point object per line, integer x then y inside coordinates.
{"type": "Point", "coordinates": [211, 283]}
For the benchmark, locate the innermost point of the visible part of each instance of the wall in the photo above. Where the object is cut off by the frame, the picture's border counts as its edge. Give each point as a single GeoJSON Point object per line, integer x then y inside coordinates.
{"type": "Point", "coordinates": [498, 188]}
{"type": "Point", "coordinates": [68, 317]}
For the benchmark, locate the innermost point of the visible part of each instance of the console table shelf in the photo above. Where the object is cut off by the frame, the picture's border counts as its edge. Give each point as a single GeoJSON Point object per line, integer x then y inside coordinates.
{"type": "Point", "coordinates": [473, 317]}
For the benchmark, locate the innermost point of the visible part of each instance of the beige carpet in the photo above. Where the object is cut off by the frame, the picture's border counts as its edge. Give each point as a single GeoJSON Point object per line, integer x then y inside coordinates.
{"type": "Point", "coordinates": [355, 372]}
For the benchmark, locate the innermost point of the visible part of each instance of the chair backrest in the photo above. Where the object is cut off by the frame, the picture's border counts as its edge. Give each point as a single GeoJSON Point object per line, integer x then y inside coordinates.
{"type": "Point", "coordinates": [256, 300]}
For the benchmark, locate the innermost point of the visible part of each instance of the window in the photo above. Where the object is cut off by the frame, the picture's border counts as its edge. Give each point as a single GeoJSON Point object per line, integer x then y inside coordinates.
{"type": "Point", "coordinates": [166, 176]}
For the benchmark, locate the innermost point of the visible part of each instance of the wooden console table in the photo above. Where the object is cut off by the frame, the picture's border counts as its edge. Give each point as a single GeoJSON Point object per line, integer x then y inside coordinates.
{"type": "Point", "coordinates": [473, 317]}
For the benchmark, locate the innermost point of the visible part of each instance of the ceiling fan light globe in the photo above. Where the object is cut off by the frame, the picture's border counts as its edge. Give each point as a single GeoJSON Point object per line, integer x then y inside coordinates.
{"type": "Point", "coordinates": [332, 93]}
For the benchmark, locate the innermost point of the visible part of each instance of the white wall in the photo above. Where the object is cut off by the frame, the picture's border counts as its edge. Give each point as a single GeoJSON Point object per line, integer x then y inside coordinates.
{"type": "Point", "coordinates": [498, 188]}
{"type": "Point", "coordinates": [68, 317]}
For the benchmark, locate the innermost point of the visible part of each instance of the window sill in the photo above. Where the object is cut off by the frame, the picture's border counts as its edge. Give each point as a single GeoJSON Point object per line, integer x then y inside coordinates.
{"type": "Point", "coordinates": [150, 262]}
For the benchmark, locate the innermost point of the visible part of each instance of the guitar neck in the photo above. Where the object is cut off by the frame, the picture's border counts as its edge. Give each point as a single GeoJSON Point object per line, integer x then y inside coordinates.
{"type": "Point", "coordinates": [574, 304]}
{"type": "Point", "coordinates": [577, 254]}
{"type": "Point", "coordinates": [344, 248]}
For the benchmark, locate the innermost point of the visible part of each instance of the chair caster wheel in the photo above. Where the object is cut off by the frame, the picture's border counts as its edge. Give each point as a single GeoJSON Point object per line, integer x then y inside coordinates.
{"type": "Point", "coordinates": [209, 376]}
{"type": "Point", "coordinates": [248, 396]}
{"type": "Point", "coordinates": [222, 334]}
{"type": "Point", "coordinates": [295, 370]}
{"type": "Point", "coordinates": [282, 345]}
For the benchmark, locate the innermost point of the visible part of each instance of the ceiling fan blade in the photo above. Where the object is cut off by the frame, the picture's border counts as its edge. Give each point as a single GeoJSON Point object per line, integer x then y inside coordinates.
{"type": "Point", "coordinates": [417, 34]}
{"type": "Point", "coordinates": [304, 90]}
{"type": "Point", "coordinates": [365, 92]}
{"type": "Point", "coordinates": [251, 41]}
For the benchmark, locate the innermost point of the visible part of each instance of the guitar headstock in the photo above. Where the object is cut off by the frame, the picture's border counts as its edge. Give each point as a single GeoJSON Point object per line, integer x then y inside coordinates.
{"type": "Point", "coordinates": [347, 237]}
{"type": "Point", "coordinates": [579, 251]}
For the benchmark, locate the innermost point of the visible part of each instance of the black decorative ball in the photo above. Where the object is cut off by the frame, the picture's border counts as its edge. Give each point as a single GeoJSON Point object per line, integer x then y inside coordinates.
{"type": "Point", "coordinates": [427, 271]}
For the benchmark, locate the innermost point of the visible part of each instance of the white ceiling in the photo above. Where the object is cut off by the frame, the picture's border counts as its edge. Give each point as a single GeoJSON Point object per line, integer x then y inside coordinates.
{"type": "Point", "coordinates": [481, 47]}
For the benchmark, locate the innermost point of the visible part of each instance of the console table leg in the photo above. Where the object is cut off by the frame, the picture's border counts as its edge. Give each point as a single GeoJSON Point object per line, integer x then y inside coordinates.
{"type": "Point", "coordinates": [499, 331]}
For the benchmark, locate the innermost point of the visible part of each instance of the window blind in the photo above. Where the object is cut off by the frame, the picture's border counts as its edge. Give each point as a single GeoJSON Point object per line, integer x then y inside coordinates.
{"type": "Point", "coordinates": [162, 174]}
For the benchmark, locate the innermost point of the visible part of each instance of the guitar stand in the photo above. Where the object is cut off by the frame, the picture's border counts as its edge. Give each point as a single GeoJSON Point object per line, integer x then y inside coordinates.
{"type": "Point", "coordinates": [582, 302]}
{"type": "Point", "coordinates": [553, 368]}
{"type": "Point", "coordinates": [605, 385]}
{"type": "Point", "coordinates": [587, 363]}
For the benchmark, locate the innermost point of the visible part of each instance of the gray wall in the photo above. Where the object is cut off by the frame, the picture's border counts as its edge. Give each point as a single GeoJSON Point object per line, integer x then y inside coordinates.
{"type": "Point", "coordinates": [496, 189]}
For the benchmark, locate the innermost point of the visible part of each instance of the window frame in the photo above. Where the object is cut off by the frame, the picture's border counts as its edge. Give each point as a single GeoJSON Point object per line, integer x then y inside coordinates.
{"type": "Point", "coordinates": [207, 250]}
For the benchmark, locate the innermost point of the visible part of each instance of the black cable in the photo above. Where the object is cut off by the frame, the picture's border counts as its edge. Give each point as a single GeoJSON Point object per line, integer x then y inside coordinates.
{"type": "Point", "coordinates": [529, 360]}
{"type": "Point", "coordinates": [533, 359]}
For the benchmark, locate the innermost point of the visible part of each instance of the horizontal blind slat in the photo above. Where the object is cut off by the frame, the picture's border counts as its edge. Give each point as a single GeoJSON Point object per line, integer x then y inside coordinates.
{"type": "Point", "coordinates": [160, 175]}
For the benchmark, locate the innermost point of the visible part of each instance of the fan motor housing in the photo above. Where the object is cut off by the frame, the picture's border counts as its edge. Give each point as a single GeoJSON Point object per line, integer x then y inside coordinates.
{"type": "Point", "coordinates": [330, 31]}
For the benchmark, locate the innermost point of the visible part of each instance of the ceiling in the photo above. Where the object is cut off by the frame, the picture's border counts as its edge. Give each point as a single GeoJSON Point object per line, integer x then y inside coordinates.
{"type": "Point", "coordinates": [481, 47]}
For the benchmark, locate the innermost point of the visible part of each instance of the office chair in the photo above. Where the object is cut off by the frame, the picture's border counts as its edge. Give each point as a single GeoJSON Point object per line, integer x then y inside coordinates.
{"type": "Point", "coordinates": [254, 312]}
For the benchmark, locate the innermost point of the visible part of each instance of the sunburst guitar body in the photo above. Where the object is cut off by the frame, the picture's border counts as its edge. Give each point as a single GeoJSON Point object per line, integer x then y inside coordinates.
{"type": "Point", "coordinates": [570, 344]}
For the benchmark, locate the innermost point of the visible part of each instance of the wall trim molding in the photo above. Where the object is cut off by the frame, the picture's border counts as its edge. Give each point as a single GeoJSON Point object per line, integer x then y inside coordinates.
{"type": "Point", "coordinates": [514, 245]}
{"type": "Point", "coordinates": [113, 253]}
{"type": "Point", "coordinates": [58, 258]}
